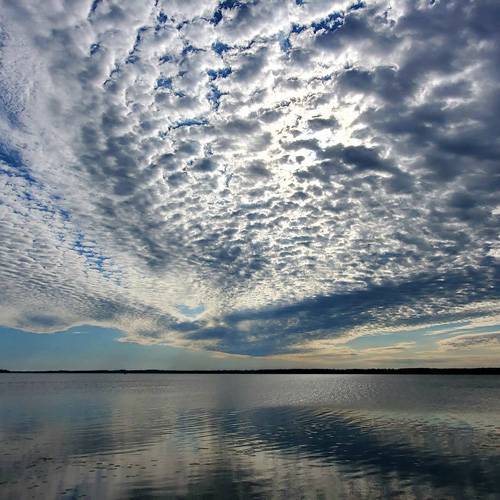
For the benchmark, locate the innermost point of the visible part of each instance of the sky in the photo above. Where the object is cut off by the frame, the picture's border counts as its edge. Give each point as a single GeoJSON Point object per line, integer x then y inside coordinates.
{"type": "Point", "coordinates": [245, 183]}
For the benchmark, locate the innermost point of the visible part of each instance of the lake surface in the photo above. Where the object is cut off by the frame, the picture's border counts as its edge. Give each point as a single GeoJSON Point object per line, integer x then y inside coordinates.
{"type": "Point", "coordinates": [145, 436]}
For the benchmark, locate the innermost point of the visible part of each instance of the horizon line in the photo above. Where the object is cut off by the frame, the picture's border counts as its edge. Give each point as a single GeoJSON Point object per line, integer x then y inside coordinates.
{"type": "Point", "coordinates": [291, 371]}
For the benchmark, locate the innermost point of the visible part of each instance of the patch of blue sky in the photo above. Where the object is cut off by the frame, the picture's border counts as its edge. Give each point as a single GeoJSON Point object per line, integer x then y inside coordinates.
{"type": "Point", "coordinates": [36, 204]}
{"type": "Point", "coordinates": [284, 42]}
{"type": "Point", "coordinates": [298, 28]}
{"type": "Point", "coordinates": [213, 74]}
{"type": "Point", "coordinates": [216, 17]}
{"type": "Point", "coordinates": [357, 6]}
{"type": "Point", "coordinates": [164, 83]}
{"type": "Point", "coordinates": [445, 326]}
{"type": "Point", "coordinates": [330, 23]}
{"type": "Point", "coordinates": [231, 4]}
{"type": "Point", "coordinates": [12, 165]}
{"type": "Point", "coordinates": [65, 215]}
{"type": "Point", "coordinates": [44, 207]}
{"type": "Point", "coordinates": [99, 261]}
{"type": "Point", "coordinates": [26, 195]}
{"type": "Point", "coordinates": [190, 49]}
{"type": "Point", "coordinates": [162, 18]}
{"type": "Point", "coordinates": [138, 38]}
{"type": "Point", "coordinates": [190, 122]}
{"type": "Point", "coordinates": [87, 347]}
{"type": "Point", "coordinates": [219, 48]}
{"type": "Point", "coordinates": [181, 24]}
{"type": "Point", "coordinates": [386, 340]}
{"type": "Point", "coordinates": [421, 336]}
{"type": "Point", "coordinates": [463, 329]}
{"type": "Point", "coordinates": [94, 6]}
{"type": "Point", "coordinates": [191, 311]}
{"type": "Point", "coordinates": [225, 4]}
{"type": "Point", "coordinates": [94, 259]}
{"type": "Point", "coordinates": [214, 97]}
{"type": "Point", "coordinates": [132, 55]}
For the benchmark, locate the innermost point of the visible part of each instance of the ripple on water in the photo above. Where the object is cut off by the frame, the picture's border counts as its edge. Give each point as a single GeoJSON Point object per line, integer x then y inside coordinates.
{"type": "Point", "coordinates": [348, 437]}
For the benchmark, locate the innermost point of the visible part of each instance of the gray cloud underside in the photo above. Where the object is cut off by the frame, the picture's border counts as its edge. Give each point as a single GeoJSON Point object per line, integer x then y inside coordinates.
{"type": "Point", "coordinates": [302, 171]}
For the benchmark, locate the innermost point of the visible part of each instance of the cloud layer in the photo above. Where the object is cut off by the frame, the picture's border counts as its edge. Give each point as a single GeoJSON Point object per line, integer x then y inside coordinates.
{"type": "Point", "coordinates": [249, 177]}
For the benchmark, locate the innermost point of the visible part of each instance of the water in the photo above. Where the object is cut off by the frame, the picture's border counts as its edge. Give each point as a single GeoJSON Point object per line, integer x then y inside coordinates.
{"type": "Point", "coordinates": [249, 436]}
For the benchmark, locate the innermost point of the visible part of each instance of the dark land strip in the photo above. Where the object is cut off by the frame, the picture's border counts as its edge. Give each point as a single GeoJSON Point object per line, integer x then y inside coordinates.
{"type": "Point", "coordinates": [294, 371]}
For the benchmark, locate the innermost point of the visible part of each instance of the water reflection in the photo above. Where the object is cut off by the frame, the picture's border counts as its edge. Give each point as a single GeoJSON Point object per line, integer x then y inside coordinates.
{"type": "Point", "coordinates": [171, 436]}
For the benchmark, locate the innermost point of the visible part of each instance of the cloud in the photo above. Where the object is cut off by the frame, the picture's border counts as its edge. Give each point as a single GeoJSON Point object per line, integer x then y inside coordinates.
{"type": "Point", "coordinates": [297, 172]}
{"type": "Point", "coordinates": [487, 339]}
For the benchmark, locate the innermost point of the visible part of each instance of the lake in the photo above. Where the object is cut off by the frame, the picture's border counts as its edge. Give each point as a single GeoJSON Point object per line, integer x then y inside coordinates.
{"type": "Point", "coordinates": [146, 436]}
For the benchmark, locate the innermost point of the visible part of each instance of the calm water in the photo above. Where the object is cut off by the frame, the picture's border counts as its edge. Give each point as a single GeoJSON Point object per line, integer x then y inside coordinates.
{"type": "Point", "coordinates": [249, 436]}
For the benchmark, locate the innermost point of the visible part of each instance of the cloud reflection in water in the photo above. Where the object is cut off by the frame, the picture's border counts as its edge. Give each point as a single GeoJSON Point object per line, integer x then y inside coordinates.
{"type": "Point", "coordinates": [192, 436]}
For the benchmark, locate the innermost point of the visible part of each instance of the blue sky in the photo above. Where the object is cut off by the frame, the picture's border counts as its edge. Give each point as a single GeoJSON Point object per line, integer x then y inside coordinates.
{"type": "Point", "coordinates": [247, 183]}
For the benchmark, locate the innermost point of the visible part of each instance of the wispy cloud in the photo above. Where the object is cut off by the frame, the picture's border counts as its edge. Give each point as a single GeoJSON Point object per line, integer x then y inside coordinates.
{"type": "Point", "coordinates": [471, 340]}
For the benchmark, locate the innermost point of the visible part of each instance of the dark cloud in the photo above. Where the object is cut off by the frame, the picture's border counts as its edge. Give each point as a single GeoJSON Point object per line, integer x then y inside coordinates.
{"type": "Point", "coordinates": [322, 123]}
{"type": "Point", "coordinates": [490, 339]}
{"type": "Point", "coordinates": [429, 298]}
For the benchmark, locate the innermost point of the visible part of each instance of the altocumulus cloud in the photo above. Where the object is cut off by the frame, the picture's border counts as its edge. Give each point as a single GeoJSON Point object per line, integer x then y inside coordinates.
{"type": "Point", "coordinates": [250, 177]}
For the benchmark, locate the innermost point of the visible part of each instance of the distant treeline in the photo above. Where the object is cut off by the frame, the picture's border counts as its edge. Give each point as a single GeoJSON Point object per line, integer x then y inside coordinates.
{"type": "Point", "coordinates": [295, 371]}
